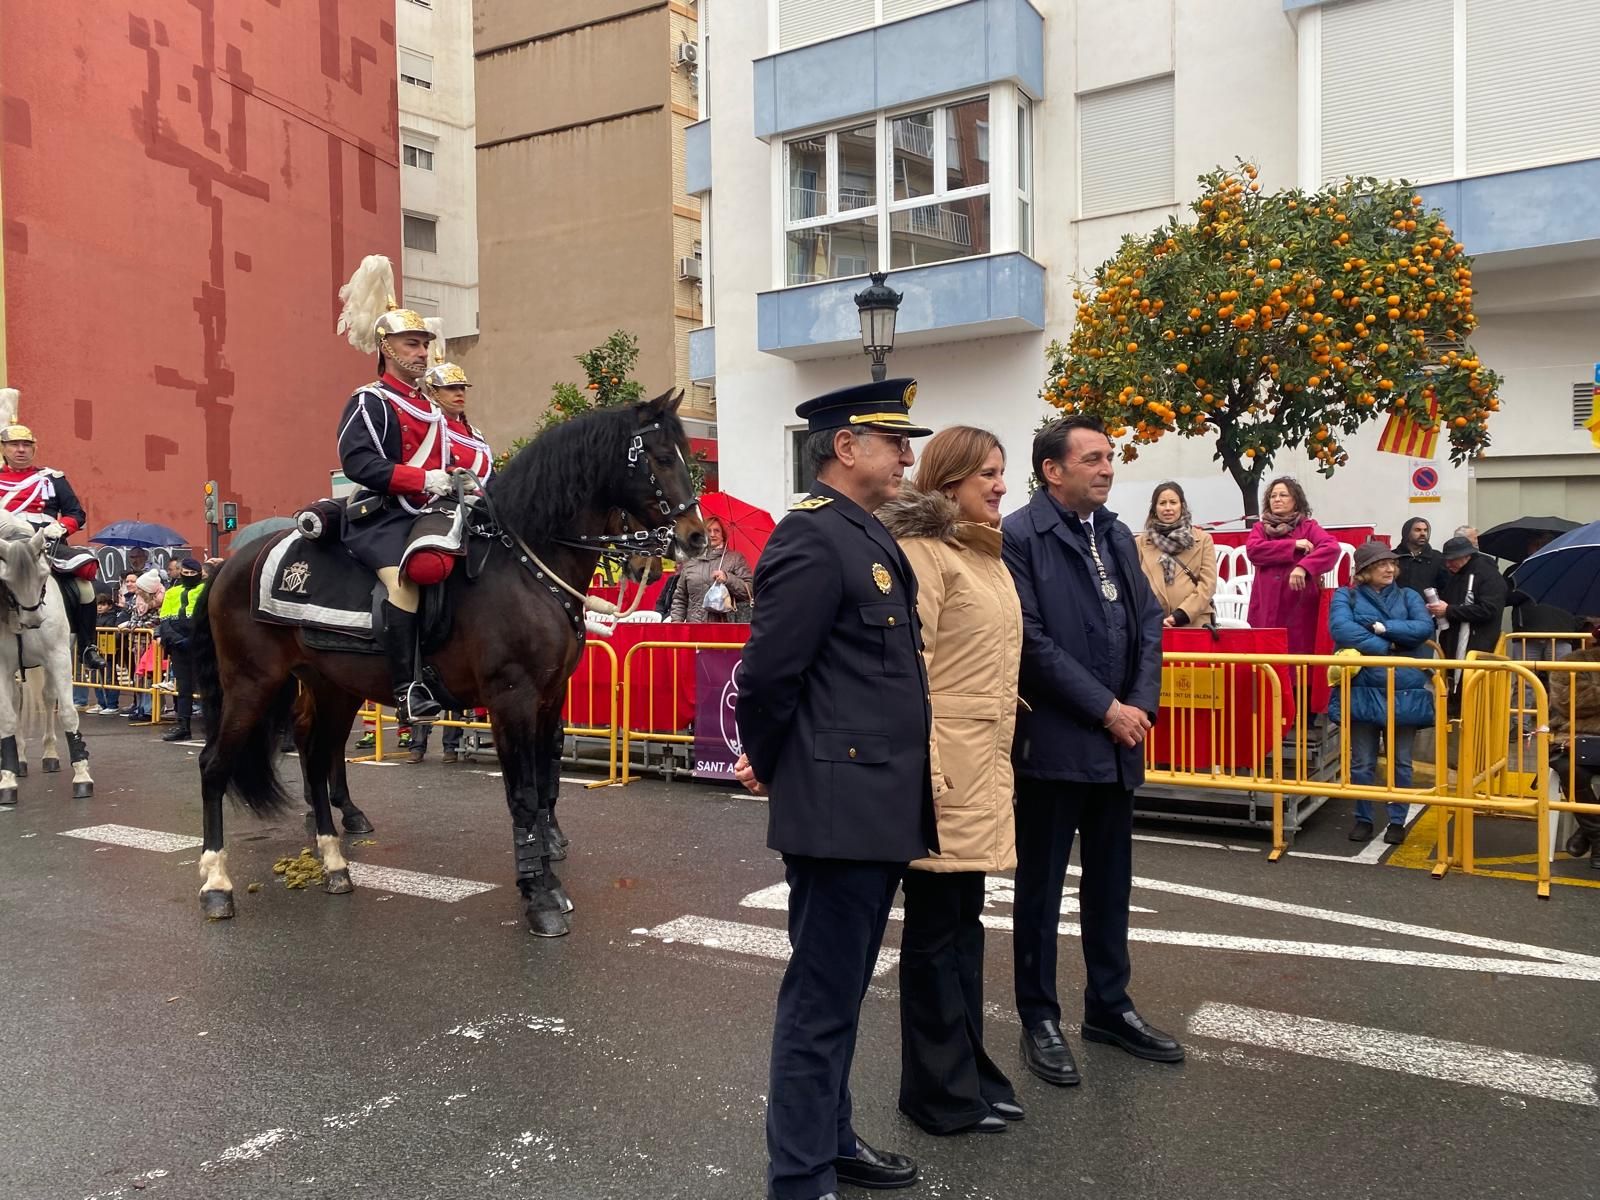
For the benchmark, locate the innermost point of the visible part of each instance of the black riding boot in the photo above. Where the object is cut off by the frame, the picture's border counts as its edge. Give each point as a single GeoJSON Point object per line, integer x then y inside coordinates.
{"type": "Point", "coordinates": [83, 622]}
{"type": "Point", "coordinates": [411, 698]}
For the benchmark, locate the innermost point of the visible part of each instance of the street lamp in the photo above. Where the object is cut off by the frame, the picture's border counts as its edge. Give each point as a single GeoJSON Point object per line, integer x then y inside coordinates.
{"type": "Point", "coordinates": [877, 306]}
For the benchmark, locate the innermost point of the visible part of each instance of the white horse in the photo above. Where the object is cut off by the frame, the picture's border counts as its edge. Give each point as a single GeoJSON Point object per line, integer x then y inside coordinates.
{"type": "Point", "coordinates": [34, 635]}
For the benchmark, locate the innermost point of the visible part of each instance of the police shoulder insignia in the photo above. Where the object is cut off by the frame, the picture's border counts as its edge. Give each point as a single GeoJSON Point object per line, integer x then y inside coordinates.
{"type": "Point", "coordinates": [810, 503]}
{"type": "Point", "coordinates": [880, 576]}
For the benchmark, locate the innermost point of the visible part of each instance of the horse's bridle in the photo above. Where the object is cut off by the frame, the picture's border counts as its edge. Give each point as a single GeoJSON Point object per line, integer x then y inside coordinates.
{"type": "Point", "coordinates": [651, 543]}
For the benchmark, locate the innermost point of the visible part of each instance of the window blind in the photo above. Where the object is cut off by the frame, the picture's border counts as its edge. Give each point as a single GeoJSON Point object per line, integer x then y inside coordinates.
{"type": "Point", "coordinates": [1125, 147]}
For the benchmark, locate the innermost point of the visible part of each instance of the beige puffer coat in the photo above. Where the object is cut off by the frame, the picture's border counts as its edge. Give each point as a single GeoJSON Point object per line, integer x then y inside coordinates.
{"type": "Point", "coordinates": [1194, 583]}
{"type": "Point", "coordinates": [972, 638]}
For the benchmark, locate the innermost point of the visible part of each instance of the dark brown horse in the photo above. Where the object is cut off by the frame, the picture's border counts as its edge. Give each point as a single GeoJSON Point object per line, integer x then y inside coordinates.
{"type": "Point", "coordinates": [516, 638]}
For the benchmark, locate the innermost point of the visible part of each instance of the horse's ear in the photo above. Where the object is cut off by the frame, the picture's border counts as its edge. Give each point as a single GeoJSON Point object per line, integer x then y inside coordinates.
{"type": "Point", "coordinates": [664, 404]}
{"type": "Point", "coordinates": [36, 543]}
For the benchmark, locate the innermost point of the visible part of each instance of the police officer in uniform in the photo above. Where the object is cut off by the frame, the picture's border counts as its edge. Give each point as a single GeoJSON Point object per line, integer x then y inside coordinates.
{"type": "Point", "coordinates": [43, 497]}
{"type": "Point", "coordinates": [395, 446]}
{"type": "Point", "coordinates": [834, 715]}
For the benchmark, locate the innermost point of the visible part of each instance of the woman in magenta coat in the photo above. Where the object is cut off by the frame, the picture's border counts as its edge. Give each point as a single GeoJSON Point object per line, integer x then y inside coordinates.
{"type": "Point", "coordinates": [1290, 552]}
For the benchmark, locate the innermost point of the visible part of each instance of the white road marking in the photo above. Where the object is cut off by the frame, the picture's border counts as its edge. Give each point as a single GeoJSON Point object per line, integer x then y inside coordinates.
{"type": "Point", "coordinates": [997, 888]}
{"type": "Point", "coordinates": [1372, 853]}
{"type": "Point", "coordinates": [1407, 1053]}
{"type": "Point", "coordinates": [139, 839]}
{"type": "Point", "coordinates": [250, 1150]}
{"type": "Point", "coordinates": [416, 883]}
{"type": "Point", "coordinates": [761, 941]}
{"type": "Point", "coordinates": [1172, 841]}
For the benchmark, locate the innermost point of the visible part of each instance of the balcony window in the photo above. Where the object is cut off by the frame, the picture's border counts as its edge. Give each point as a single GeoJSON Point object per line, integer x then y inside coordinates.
{"type": "Point", "coordinates": [924, 197]}
{"type": "Point", "coordinates": [417, 156]}
{"type": "Point", "coordinates": [416, 69]}
{"type": "Point", "coordinates": [420, 233]}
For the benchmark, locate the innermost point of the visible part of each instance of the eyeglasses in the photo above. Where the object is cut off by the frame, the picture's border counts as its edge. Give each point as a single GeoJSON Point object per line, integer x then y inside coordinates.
{"type": "Point", "coordinates": [899, 441]}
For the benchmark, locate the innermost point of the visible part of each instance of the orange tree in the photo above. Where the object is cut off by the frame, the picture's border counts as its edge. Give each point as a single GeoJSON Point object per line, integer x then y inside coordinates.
{"type": "Point", "coordinates": [1279, 320]}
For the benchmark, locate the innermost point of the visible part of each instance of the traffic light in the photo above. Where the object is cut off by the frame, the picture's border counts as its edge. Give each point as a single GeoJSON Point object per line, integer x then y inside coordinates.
{"type": "Point", "coordinates": [211, 502]}
{"type": "Point", "coordinates": [230, 516]}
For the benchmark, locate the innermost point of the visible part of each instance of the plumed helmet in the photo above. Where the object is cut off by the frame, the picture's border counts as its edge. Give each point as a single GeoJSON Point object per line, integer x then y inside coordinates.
{"type": "Point", "coordinates": [10, 429]}
{"type": "Point", "coordinates": [370, 312]}
{"type": "Point", "coordinates": [445, 374]}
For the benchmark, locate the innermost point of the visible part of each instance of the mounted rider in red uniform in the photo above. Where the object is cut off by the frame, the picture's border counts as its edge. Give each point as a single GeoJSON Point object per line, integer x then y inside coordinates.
{"type": "Point", "coordinates": [395, 445]}
{"type": "Point", "coordinates": [446, 385]}
{"type": "Point", "coordinates": [43, 497]}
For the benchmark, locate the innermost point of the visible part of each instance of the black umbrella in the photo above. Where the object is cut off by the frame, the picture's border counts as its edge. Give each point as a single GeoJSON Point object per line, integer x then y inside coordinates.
{"type": "Point", "coordinates": [1511, 540]}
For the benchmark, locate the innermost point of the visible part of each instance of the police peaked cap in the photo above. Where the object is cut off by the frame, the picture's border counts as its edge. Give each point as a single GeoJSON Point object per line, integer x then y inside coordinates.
{"type": "Point", "coordinates": [882, 406]}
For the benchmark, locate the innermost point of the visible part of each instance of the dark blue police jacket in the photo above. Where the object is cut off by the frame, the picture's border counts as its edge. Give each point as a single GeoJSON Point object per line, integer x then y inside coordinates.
{"type": "Point", "coordinates": [1067, 679]}
{"type": "Point", "coordinates": [833, 703]}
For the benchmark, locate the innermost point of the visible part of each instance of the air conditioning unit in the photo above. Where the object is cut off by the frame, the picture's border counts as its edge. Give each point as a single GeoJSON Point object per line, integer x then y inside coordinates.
{"type": "Point", "coordinates": [688, 54]}
{"type": "Point", "coordinates": [689, 268]}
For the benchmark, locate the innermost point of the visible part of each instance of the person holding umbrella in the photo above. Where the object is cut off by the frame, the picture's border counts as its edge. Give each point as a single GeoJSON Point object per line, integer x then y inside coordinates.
{"type": "Point", "coordinates": [713, 584]}
{"type": "Point", "coordinates": [1515, 541]}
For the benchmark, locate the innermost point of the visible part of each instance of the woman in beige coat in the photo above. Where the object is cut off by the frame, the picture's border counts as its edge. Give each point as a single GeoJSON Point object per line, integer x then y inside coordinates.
{"type": "Point", "coordinates": [1179, 560]}
{"type": "Point", "coordinates": [948, 524]}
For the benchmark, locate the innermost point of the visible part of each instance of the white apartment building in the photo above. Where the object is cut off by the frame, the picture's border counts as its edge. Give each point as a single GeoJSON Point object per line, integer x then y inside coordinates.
{"type": "Point", "coordinates": [991, 153]}
{"type": "Point", "coordinates": [438, 162]}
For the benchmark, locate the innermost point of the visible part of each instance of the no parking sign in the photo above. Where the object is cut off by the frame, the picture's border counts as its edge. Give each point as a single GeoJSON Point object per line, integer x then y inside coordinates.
{"type": "Point", "coordinates": [1424, 483]}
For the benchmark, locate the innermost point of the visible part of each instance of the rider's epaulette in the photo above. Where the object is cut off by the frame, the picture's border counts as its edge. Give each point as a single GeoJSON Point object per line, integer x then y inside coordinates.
{"type": "Point", "coordinates": [53, 473]}
{"type": "Point", "coordinates": [810, 503]}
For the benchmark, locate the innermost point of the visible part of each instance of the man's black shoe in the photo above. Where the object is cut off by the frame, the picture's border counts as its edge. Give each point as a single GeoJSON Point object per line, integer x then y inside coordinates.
{"type": "Point", "coordinates": [1578, 843]}
{"type": "Point", "coordinates": [93, 660]}
{"type": "Point", "coordinates": [1129, 1031]}
{"type": "Point", "coordinates": [1045, 1053]}
{"type": "Point", "coordinates": [1394, 834]}
{"type": "Point", "coordinates": [1010, 1110]}
{"type": "Point", "coordinates": [869, 1168]}
{"type": "Point", "coordinates": [1361, 831]}
{"type": "Point", "coordinates": [179, 733]}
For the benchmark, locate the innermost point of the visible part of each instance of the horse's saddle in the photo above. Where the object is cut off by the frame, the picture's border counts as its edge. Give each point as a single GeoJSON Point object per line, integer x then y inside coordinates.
{"type": "Point", "coordinates": [317, 585]}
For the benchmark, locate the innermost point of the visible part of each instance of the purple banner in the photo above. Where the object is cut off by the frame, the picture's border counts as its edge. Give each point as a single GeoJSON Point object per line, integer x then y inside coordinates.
{"type": "Point", "coordinates": [716, 691]}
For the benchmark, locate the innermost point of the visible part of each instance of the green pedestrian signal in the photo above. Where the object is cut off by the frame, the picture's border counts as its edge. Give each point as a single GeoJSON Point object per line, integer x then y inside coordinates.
{"type": "Point", "coordinates": [230, 516]}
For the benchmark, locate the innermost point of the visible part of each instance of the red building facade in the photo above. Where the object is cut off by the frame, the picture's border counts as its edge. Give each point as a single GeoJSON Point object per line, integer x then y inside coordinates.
{"type": "Point", "coordinates": [184, 184]}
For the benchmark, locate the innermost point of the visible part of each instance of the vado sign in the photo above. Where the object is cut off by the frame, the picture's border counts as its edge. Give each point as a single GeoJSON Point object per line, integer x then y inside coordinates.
{"type": "Point", "coordinates": [1424, 482]}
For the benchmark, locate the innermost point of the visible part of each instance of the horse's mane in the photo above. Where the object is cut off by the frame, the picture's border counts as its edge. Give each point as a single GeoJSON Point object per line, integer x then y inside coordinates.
{"type": "Point", "coordinates": [544, 488]}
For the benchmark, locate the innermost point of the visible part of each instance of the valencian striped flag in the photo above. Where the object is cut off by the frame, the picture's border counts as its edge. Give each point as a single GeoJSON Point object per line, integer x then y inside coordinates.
{"type": "Point", "coordinates": [1404, 434]}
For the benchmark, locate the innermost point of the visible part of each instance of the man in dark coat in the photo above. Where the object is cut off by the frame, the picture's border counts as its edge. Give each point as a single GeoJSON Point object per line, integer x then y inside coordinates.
{"type": "Point", "coordinates": [1421, 566]}
{"type": "Point", "coordinates": [1091, 680]}
{"type": "Point", "coordinates": [1472, 600]}
{"type": "Point", "coordinates": [834, 718]}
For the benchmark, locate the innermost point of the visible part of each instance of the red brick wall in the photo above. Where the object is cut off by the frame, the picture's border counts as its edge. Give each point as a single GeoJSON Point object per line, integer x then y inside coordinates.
{"type": "Point", "coordinates": [185, 184]}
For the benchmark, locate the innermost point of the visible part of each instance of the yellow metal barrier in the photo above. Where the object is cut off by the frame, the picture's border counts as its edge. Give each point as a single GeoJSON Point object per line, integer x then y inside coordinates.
{"type": "Point", "coordinates": [124, 650]}
{"type": "Point", "coordinates": [646, 694]}
{"type": "Point", "coordinates": [582, 714]}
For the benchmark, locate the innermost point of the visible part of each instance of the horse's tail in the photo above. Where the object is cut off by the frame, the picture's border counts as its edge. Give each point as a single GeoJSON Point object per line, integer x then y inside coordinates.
{"type": "Point", "coordinates": [252, 777]}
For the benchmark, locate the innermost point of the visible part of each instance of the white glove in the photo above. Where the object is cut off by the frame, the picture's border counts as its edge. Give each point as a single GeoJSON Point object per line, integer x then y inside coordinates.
{"type": "Point", "coordinates": [437, 482]}
{"type": "Point", "coordinates": [55, 530]}
{"type": "Point", "coordinates": [1377, 627]}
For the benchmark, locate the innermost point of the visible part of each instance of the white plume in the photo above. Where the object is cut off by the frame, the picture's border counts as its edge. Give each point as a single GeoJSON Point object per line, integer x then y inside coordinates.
{"type": "Point", "coordinates": [436, 349]}
{"type": "Point", "coordinates": [366, 297]}
{"type": "Point", "coordinates": [10, 398]}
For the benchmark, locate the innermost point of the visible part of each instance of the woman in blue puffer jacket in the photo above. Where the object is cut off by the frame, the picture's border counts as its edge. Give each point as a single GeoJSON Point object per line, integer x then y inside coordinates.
{"type": "Point", "coordinates": [1377, 616]}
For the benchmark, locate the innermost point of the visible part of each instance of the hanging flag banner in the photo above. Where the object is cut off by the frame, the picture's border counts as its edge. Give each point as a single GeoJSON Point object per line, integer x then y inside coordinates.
{"type": "Point", "coordinates": [1424, 482]}
{"type": "Point", "coordinates": [1593, 423]}
{"type": "Point", "coordinates": [1404, 434]}
{"type": "Point", "coordinates": [716, 693]}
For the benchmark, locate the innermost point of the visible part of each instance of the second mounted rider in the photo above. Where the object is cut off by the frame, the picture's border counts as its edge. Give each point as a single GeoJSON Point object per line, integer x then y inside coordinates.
{"type": "Point", "coordinates": [42, 497]}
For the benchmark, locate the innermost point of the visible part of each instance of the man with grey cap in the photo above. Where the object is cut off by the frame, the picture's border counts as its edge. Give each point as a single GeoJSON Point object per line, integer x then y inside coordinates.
{"type": "Point", "coordinates": [834, 718]}
{"type": "Point", "coordinates": [1471, 601]}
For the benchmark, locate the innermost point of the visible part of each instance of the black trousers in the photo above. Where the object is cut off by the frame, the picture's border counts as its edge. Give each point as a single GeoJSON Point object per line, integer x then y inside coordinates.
{"type": "Point", "coordinates": [947, 1081]}
{"type": "Point", "coordinates": [837, 911]}
{"type": "Point", "coordinates": [1583, 777]}
{"type": "Point", "coordinates": [182, 660]}
{"type": "Point", "coordinates": [1048, 815]}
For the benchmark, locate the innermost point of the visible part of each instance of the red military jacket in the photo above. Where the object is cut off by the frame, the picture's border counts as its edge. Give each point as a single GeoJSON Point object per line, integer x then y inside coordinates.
{"type": "Point", "coordinates": [390, 437]}
{"type": "Point", "coordinates": [43, 492]}
{"type": "Point", "coordinates": [468, 448]}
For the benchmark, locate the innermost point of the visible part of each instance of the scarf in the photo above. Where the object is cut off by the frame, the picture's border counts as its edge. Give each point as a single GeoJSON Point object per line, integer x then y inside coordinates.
{"type": "Point", "coordinates": [1280, 526]}
{"type": "Point", "coordinates": [1172, 540]}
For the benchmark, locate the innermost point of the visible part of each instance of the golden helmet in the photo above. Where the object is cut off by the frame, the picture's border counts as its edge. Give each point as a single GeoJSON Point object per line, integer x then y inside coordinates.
{"type": "Point", "coordinates": [402, 320]}
{"type": "Point", "coordinates": [16, 433]}
{"type": "Point", "coordinates": [445, 374]}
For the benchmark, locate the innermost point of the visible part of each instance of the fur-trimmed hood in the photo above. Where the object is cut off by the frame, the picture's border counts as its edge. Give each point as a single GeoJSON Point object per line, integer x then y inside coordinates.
{"type": "Point", "coordinates": [914, 514]}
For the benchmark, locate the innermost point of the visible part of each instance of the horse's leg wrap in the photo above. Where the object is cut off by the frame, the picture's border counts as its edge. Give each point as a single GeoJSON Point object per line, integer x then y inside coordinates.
{"type": "Point", "coordinates": [8, 755]}
{"type": "Point", "coordinates": [77, 751]}
{"type": "Point", "coordinates": [547, 903]}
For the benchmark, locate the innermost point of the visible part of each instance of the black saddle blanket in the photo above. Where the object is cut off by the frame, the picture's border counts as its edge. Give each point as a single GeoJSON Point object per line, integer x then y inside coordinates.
{"type": "Point", "coordinates": [317, 585]}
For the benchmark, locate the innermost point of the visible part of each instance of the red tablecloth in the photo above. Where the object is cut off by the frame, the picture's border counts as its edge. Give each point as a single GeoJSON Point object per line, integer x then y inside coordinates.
{"type": "Point", "coordinates": [1213, 715]}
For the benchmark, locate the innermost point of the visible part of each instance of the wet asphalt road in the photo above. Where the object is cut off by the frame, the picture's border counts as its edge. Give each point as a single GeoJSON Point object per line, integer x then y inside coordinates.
{"type": "Point", "coordinates": [388, 1045]}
